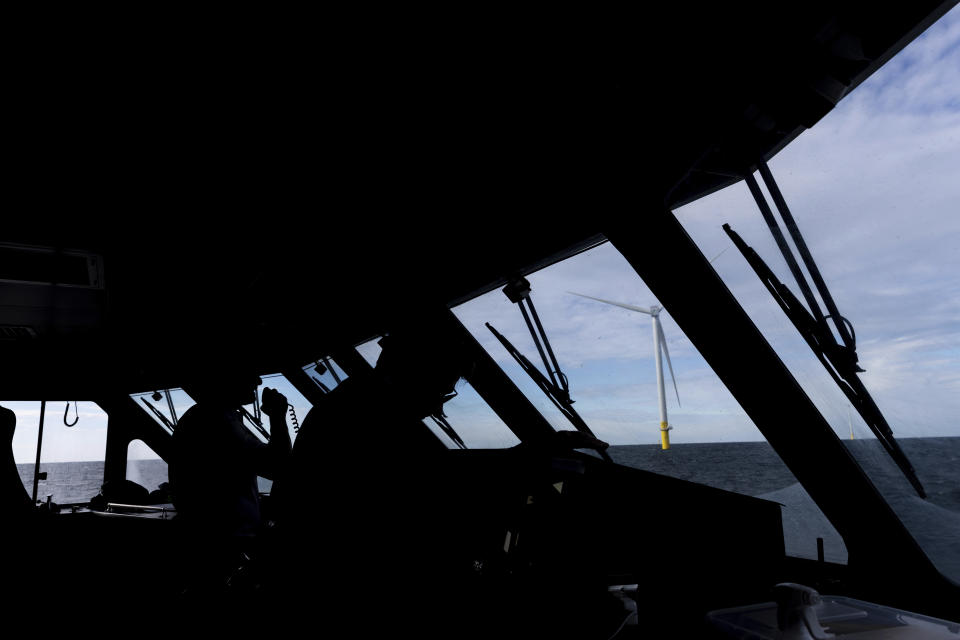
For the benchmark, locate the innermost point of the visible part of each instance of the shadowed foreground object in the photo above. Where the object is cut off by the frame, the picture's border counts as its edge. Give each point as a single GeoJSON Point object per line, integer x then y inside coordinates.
{"type": "Point", "coordinates": [284, 199]}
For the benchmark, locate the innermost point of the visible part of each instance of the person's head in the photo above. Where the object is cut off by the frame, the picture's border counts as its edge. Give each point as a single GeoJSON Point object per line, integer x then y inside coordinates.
{"type": "Point", "coordinates": [232, 390]}
{"type": "Point", "coordinates": [222, 380]}
{"type": "Point", "coordinates": [422, 360]}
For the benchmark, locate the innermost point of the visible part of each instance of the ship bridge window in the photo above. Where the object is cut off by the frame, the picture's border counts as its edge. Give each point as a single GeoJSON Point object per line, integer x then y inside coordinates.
{"type": "Point", "coordinates": [72, 449]}
{"type": "Point", "coordinates": [167, 406]}
{"type": "Point", "coordinates": [298, 404]}
{"type": "Point", "coordinates": [873, 190]}
{"type": "Point", "coordinates": [370, 350]}
{"type": "Point", "coordinates": [606, 354]}
{"type": "Point", "coordinates": [164, 406]}
{"type": "Point", "coordinates": [469, 423]}
{"type": "Point", "coordinates": [325, 373]}
{"type": "Point", "coordinates": [296, 411]}
{"type": "Point", "coordinates": [146, 468]}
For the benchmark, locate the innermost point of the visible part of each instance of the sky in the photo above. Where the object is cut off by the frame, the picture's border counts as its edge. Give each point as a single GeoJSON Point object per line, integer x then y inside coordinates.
{"type": "Point", "coordinates": [874, 189]}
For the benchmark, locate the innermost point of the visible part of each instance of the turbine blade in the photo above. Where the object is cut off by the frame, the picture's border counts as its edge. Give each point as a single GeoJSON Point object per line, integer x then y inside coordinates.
{"type": "Point", "coordinates": [666, 352]}
{"type": "Point", "coordinates": [718, 255]}
{"type": "Point", "coordinates": [616, 304]}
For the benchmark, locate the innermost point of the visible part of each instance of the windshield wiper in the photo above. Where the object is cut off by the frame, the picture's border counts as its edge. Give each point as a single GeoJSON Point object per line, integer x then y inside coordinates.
{"type": "Point", "coordinates": [518, 292]}
{"type": "Point", "coordinates": [255, 422]}
{"type": "Point", "coordinates": [560, 397]}
{"type": "Point", "coordinates": [840, 361]}
{"type": "Point", "coordinates": [159, 414]}
{"type": "Point", "coordinates": [441, 421]}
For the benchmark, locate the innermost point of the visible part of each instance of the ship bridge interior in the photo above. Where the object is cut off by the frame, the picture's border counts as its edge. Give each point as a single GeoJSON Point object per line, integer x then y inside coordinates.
{"type": "Point", "coordinates": [285, 200]}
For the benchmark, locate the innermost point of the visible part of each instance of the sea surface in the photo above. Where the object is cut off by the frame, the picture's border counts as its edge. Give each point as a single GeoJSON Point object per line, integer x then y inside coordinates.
{"type": "Point", "coordinates": [754, 468]}
{"type": "Point", "coordinates": [750, 468]}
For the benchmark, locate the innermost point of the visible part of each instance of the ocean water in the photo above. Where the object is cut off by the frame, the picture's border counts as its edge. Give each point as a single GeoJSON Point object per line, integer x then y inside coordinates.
{"type": "Point", "coordinates": [78, 482]}
{"type": "Point", "coordinates": [750, 468]}
{"type": "Point", "coordinates": [934, 522]}
{"type": "Point", "coordinates": [753, 468]}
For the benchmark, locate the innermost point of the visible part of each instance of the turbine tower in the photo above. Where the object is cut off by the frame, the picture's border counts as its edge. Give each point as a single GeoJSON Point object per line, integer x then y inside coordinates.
{"type": "Point", "coordinates": [659, 350]}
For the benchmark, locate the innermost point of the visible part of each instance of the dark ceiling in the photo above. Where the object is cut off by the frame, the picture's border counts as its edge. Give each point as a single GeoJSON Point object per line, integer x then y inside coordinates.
{"type": "Point", "coordinates": [288, 184]}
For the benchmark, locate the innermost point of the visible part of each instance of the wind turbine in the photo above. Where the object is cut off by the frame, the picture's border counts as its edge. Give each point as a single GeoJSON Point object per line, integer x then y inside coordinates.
{"type": "Point", "coordinates": [659, 345]}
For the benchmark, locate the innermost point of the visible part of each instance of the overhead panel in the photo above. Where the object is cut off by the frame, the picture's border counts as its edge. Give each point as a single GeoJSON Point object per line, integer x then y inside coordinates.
{"type": "Point", "coordinates": [46, 290]}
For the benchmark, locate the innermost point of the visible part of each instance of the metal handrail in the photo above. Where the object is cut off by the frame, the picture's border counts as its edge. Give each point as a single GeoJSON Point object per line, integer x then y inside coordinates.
{"type": "Point", "coordinates": [111, 506]}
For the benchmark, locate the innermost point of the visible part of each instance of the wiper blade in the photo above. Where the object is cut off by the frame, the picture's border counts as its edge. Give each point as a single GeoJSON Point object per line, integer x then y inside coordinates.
{"type": "Point", "coordinates": [256, 423]}
{"type": "Point", "coordinates": [159, 414]}
{"type": "Point", "coordinates": [849, 339]}
{"type": "Point", "coordinates": [441, 421]}
{"type": "Point", "coordinates": [559, 396]}
{"type": "Point", "coordinates": [836, 359]}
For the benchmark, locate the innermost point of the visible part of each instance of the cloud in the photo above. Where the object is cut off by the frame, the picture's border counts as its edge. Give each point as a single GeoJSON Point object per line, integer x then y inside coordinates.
{"type": "Point", "coordinates": [921, 78]}
{"type": "Point", "coordinates": [607, 354]}
{"type": "Point", "coordinates": [873, 187]}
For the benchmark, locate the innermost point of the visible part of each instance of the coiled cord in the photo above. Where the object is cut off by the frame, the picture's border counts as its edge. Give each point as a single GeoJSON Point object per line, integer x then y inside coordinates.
{"type": "Point", "coordinates": [293, 419]}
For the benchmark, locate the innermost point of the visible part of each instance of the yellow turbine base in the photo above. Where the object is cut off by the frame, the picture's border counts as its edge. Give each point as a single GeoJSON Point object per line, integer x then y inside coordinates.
{"type": "Point", "coordinates": [664, 436]}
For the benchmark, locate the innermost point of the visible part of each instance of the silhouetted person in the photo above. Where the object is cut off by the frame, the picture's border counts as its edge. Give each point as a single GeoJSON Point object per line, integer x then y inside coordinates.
{"type": "Point", "coordinates": [13, 495]}
{"type": "Point", "coordinates": [362, 479]}
{"type": "Point", "coordinates": [213, 474]}
{"type": "Point", "coordinates": [23, 534]}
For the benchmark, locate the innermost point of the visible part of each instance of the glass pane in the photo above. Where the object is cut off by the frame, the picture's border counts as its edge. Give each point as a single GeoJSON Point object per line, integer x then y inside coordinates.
{"type": "Point", "coordinates": [71, 456]}
{"type": "Point", "coordinates": [300, 404]}
{"type": "Point", "coordinates": [370, 351]}
{"type": "Point", "coordinates": [156, 404]}
{"type": "Point", "coordinates": [300, 407]}
{"type": "Point", "coordinates": [873, 189]}
{"type": "Point", "coordinates": [472, 419]}
{"type": "Point", "coordinates": [331, 375]}
{"type": "Point", "coordinates": [25, 431]}
{"type": "Point", "coordinates": [145, 467]}
{"type": "Point", "coordinates": [25, 440]}
{"type": "Point", "coordinates": [495, 308]}
{"type": "Point", "coordinates": [607, 354]}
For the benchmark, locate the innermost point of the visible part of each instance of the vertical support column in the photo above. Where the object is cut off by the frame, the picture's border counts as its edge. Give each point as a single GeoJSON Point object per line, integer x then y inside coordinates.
{"type": "Point", "coordinates": [118, 441]}
{"type": "Point", "coordinates": [36, 468]}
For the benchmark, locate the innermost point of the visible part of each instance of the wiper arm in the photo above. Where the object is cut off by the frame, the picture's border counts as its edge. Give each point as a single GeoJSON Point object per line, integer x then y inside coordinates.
{"type": "Point", "coordinates": [849, 339]}
{"type": "Point", "coordinates": [560, 397]}
{"type": "Point", "coordinates": [162, 418]}
{"type": "Point", "coordinates": [256, 423]}
{"type": "Point", "coordinates": [441, 421]}
{"type": "Point", "coordinates": [518, 292]}
{"type": "Point", "coordinates": [835, 358]}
